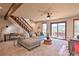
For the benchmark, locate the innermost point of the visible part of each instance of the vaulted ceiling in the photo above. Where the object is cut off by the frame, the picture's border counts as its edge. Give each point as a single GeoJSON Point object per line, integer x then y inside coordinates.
{"type": "Point", "coordinates": [35, 11]}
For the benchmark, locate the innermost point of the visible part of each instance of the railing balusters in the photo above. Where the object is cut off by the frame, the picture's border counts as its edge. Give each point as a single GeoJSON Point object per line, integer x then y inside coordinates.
{"type": "Point", "coordinates": [21, 21]}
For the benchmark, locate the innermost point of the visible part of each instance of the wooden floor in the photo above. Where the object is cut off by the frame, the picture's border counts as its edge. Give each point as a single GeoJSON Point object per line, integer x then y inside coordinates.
{"type": "Point", "coordinates": [57, 48]}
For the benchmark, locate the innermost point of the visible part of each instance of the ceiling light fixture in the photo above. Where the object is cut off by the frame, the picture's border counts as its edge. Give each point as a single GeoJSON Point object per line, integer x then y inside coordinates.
{"type": "Point", "coordinates": [48, 16]}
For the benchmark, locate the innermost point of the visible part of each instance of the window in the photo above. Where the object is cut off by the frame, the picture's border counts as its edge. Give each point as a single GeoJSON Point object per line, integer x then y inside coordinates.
{"type": "Point", "coordinates": [76, 28]}
{"type": "Point", "coordinates": [58, 30]}
{"type": "Point", "coordinates": [61, 30]}
{"type": "Point", "coordinates": [44, 28]}
{"type": "Point", "coordinates": [54, 30]}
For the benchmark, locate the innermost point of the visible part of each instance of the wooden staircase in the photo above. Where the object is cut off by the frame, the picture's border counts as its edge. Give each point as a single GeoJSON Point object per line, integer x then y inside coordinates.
{"type": "Point", "coordinates": [22, 22]}
{"type": "Point", "coordinates": [19, 20]}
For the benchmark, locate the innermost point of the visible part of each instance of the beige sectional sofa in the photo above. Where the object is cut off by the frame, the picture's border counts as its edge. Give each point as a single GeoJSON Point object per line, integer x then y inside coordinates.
{"type": "Point", "coordinates": [29, 43]}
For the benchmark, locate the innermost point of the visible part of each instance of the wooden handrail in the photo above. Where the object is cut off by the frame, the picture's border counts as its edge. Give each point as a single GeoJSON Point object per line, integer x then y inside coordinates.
{"type": "Point", "coordinates": [21, 23]}
{"type": "Point", "coordinates": [21, 20]}
{"type": "Point", "coordinates": [26, 23]}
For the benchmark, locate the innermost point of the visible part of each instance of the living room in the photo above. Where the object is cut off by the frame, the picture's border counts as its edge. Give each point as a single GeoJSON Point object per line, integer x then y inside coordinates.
{"type": "Point", "coordinates": [58, 21]}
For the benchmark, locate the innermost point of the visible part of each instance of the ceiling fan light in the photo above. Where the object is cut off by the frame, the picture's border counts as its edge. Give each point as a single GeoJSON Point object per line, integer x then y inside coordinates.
{"type": "Point", "coordinates": [48, 18]}
{"type": "Point", "coordinates": [48, 15]}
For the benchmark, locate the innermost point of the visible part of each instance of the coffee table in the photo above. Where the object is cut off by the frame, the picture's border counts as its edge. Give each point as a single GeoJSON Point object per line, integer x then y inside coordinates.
{"type": "Point", "coordinates": [48, 42]}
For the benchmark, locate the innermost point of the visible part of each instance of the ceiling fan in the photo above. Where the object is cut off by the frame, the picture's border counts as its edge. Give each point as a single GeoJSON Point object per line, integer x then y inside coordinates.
{"type": "Point", "coordinates": [49, 12]}
{"type": "Point", "coordinates": [49, 15]}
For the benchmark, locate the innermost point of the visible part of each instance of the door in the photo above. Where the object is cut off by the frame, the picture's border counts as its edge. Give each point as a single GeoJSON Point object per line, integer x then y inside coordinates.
{"type": "Point", "coordinates": [58, 30]}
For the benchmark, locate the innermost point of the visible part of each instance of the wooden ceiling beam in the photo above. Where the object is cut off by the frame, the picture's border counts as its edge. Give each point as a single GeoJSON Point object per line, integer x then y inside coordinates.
{"type": "Point", "coordinates": [6, 15]}
{"type": "Point", "coordinates": [15, 7]}
{"type": "Point", "coordinates": [12, 9]}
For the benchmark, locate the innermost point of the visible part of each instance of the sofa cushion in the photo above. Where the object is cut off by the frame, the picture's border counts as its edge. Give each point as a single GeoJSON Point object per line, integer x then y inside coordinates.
{"type": "Point", "coordinates": [29, 41]}
{"type": "Point", "coordinates": [41, 37]}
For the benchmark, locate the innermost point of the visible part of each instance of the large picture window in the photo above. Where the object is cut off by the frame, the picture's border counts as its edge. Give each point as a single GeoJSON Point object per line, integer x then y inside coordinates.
{"type": "Point", "coordinates": [76, 28]}
{"type": "Point", "coordinates": [58, 30]}
{"type": "Point", "coordinates": [44, 28]}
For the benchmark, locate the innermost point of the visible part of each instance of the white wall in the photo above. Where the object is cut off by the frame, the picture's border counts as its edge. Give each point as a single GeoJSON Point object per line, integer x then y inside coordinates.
{"type": "Point", "coordinates": [11, 28]}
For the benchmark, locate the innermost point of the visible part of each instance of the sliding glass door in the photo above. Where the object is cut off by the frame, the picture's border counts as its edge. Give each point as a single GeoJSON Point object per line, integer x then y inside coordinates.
{"type": "Point", "coordinates": [76, 28]}
{"type": "Point", "coordinates": [61, 30]}
{"type": "Point", "coordinates": [54, 30]}
{"type": "Point", "coordinates": [58, 30]}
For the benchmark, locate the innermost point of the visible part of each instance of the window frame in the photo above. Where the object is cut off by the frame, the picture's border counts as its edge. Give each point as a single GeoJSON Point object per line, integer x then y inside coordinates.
{"type": "Point", "coordinates": [57, 27]}
{"type": "Point", "coordinates": [46, 27]}
{"type": "Point", "coordinates": [74, 26]}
